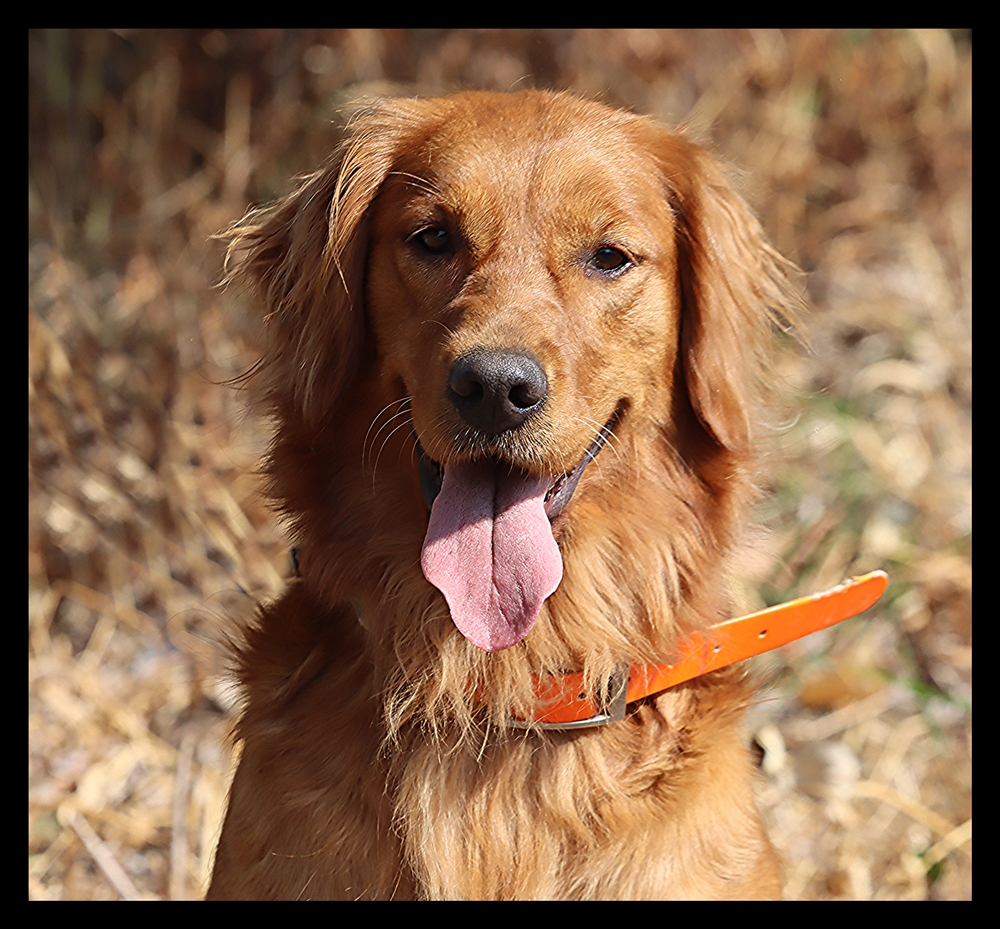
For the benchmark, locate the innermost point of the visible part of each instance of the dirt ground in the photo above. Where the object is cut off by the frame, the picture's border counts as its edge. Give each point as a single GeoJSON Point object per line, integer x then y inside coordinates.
{"type": "Point", "coordinates": [147, 532]}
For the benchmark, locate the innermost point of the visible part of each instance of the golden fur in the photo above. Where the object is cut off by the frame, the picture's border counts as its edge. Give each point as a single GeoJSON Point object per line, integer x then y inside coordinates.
{"type": "Point", "coordinates": [378, 760]}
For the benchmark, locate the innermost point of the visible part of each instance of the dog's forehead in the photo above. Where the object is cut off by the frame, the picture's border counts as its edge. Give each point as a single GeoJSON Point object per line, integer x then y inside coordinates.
{"type": "Point", "coordinates": [544, 158]}
{"type": "Point", "coordinates": [499, 147]}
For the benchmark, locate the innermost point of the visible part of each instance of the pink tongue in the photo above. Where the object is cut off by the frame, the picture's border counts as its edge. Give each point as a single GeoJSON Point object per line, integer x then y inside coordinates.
{"type": "Point", "coordinates": [489, 549]}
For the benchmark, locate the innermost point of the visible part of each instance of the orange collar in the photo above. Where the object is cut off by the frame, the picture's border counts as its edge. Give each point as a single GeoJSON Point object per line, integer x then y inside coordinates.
{"type": "Point", "coordinates": [564, 705]}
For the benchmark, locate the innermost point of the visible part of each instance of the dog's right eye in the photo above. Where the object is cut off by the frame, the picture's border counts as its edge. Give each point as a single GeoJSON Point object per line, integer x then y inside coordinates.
{"type": "Point", "coordinates": [433, 239]}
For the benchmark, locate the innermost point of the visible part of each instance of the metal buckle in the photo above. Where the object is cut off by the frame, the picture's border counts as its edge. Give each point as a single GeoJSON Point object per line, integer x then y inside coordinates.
{"type": "Point", "coordinates": [612, 706]}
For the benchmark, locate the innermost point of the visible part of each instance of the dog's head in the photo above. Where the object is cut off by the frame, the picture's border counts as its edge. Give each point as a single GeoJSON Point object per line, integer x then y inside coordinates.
{"type": "Point", "coordinates": [542, 280]}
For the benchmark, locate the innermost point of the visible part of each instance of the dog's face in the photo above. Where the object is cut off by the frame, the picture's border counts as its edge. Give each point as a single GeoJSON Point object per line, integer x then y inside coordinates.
{"type": "Point", "coordinates": [522, 290]}
{"type": "Point", "coordinates": [570, 304]}
{"type": "Point", "coordinates": [548, 251]}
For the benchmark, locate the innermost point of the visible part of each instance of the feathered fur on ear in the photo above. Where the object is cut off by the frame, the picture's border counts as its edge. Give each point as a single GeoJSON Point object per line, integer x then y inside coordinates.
{"type": "Point", "coordinates": [734, 288]}
{"type": "Point", "coordinates": [302, 260]}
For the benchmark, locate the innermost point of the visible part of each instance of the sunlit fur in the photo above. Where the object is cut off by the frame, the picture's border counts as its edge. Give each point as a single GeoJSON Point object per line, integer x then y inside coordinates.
{"type": "Point", "coordinates": [378, 758]}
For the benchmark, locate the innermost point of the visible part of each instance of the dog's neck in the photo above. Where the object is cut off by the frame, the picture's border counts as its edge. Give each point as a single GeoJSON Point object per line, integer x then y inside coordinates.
{"type": "Point", "coordinates": [563, 702]}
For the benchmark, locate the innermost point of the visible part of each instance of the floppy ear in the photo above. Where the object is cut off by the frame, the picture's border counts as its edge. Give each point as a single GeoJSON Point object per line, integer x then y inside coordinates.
{"type": "Point", "coordinates": [303, 261]}
{"type": "Point", "coordinates": [734, 287]}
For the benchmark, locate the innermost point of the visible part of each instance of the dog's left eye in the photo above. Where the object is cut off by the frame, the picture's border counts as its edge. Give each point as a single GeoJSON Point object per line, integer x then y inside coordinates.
{"type": "Point", "coordinates": [608, 260]}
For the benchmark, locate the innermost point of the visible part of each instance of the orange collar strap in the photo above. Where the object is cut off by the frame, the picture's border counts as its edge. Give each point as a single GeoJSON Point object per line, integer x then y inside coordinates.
{"type": "Point", "coordinates": [562, 703]}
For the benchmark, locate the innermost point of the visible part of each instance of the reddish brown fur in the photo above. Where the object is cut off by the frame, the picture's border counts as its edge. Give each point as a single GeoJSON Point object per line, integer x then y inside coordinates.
{"type": "Point", "coordinates": [368, 767]}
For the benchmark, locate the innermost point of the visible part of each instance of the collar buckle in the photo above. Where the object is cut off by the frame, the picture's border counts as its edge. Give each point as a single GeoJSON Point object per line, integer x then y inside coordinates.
{"type": "Point", "coordinates": [611, 704]}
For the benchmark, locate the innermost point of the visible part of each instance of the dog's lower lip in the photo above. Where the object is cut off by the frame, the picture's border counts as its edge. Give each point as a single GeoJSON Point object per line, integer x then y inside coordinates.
{"type": "Point", "coordinates": [564, 486]}
{"type": "Point", "coordinates": [560, 491]}
{"type": "Point", "coordinates": [431, 474]}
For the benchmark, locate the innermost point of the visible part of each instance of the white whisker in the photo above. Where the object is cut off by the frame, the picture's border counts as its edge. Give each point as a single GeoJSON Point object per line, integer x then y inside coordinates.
{"type": "Point", "coordinates": [419, 182]}
{"type": "Point", "coordinates": [366, 446]}
{"type": "Point", "coordinates": [381, 449]}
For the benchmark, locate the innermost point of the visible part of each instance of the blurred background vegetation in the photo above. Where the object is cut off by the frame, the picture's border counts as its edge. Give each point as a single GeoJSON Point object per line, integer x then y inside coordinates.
{"type": "Point", "coordinates": [146, 529]}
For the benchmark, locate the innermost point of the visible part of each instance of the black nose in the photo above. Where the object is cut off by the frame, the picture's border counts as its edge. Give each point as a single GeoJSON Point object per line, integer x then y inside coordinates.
{"type": "Point", "coordinates": [497, 390]}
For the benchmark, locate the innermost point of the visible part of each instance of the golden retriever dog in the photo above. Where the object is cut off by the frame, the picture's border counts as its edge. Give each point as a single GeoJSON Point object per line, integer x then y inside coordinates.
{"type": "Point", "coordinates": [513, 346]}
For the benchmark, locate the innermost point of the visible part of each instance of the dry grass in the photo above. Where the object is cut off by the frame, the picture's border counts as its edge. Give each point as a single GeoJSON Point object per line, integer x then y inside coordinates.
{"type": "Point", "coordinates": [146, 531]}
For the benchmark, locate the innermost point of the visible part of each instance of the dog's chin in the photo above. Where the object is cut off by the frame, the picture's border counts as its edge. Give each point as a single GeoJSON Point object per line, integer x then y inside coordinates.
{"type": "Point", "coordinates": [561, 487]}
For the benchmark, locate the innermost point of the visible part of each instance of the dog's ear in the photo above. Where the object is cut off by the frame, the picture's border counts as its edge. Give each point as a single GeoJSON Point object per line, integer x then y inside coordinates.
{"type": "Point", "coordinates": [302, 260]}
{"type": "Point", "coordinates": [734, 288]}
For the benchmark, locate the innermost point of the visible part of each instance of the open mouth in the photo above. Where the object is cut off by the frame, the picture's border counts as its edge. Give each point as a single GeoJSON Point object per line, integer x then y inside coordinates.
{"type": "Point", "coordinates": [561, 488]}
{"type": "Point", "coordinates": [489, 546]}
